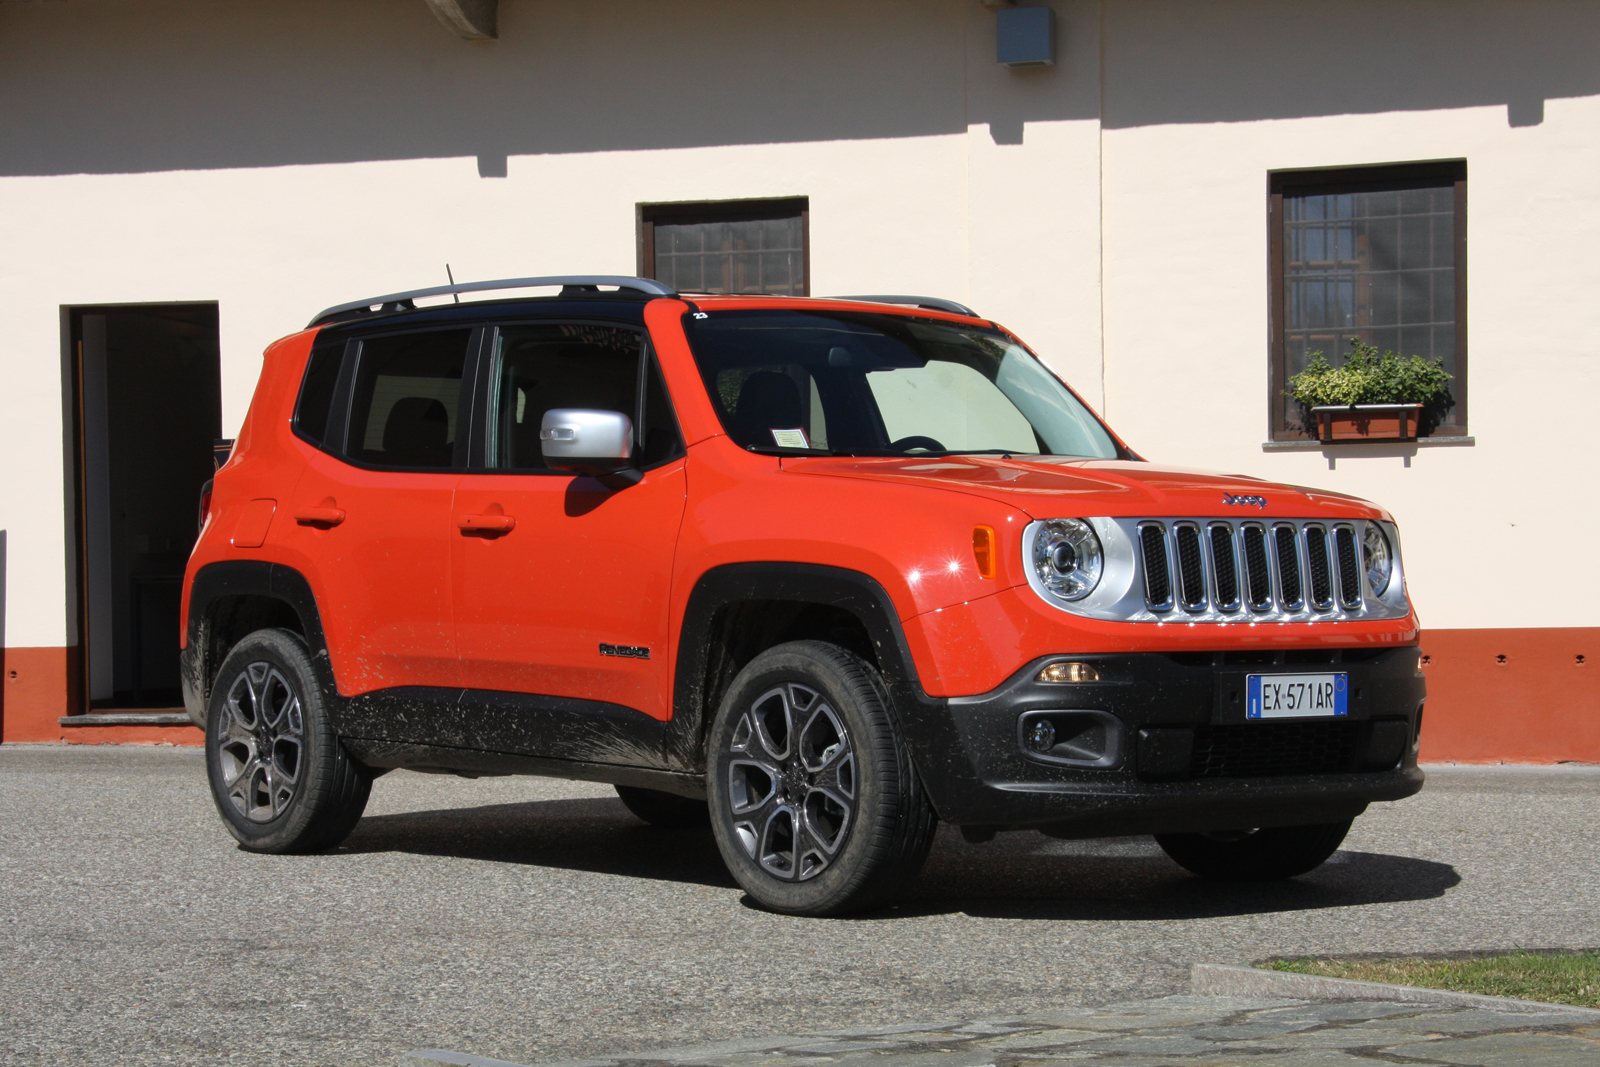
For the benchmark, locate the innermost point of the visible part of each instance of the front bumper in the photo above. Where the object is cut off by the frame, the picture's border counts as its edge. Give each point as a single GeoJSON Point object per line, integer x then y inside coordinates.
{"type": "Point", "coordinates": [1161, 744]}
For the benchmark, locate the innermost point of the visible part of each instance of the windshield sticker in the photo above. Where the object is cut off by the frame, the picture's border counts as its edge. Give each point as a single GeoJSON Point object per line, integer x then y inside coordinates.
{"type": "Point", "coordinates": [790, 438]}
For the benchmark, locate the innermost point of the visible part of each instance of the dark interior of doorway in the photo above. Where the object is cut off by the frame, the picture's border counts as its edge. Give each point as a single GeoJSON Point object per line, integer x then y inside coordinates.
{"type": "Point", "coordinates": [147, 396]}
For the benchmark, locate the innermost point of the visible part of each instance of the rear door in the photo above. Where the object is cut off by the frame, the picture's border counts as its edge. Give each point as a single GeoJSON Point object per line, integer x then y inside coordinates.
{"type": "Point", "coordinates": [373, 511]}
{"type": "Point", "coordinates": [567, 608]}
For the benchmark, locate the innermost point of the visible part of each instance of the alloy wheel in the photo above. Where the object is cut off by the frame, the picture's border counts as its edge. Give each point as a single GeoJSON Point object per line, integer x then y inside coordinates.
{"type": "Point", "coordinates": [261, 742]}
{"type": "Point", "coordinates": [791, 782]}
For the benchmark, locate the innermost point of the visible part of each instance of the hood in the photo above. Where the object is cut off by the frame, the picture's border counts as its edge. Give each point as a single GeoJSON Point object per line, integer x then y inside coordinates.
{"type": "Point", "coordinates": [1051, 487]}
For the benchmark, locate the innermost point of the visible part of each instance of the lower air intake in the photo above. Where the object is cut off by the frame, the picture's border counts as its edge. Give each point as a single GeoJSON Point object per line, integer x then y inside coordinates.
{"type": "Point", "coordinates": [1268, 749]}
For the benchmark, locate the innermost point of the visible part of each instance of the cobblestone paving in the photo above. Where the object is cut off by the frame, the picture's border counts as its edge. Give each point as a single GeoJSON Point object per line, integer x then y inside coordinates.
{"type": "Point", "coordinates": [1178, 1030]}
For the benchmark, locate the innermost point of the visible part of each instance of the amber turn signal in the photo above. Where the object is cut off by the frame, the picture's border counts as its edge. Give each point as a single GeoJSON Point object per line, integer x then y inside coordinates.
{"type": "Point", "coordinates": [1062, 671]}
{"type": "Point", "coordinates": [983, 550]}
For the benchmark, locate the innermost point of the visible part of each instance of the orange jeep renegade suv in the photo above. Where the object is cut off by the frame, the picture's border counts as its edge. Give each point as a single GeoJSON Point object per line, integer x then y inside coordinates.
{"type": "Point", "coordinates": [820, 572]}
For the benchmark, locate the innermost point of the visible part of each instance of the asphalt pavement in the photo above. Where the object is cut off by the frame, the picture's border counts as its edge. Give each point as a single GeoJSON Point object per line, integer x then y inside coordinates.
{"type": "Point", "coordinates": [533, 920]}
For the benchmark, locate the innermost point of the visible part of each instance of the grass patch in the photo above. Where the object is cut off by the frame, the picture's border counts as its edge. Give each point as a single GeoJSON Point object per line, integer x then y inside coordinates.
{"type": "Point", "coordinates": [1557, 977]}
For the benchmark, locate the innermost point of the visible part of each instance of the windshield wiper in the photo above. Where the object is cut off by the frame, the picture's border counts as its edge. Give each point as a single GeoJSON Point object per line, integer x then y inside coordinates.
{"type": "Point", "coordinates": [779, 450]}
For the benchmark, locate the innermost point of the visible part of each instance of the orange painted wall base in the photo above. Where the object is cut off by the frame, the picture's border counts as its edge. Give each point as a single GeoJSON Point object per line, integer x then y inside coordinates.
{"type": "Point", "coordinates": [1512, 696]}
{"type": "Point", "coordinates": [39, 686]}
{"type": "Point", "coordinates": [1494, 696]}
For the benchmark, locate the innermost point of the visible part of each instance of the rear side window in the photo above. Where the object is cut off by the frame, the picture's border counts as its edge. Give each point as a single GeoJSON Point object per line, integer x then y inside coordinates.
{"type": "Point", "coordinates": [316, 391]}
{"type": "Point", "coordinates": [405, 407]}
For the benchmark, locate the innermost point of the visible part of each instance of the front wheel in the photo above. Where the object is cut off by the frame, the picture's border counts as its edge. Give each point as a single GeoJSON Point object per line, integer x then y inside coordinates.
{"type": "Point", "coordinates": [1255, 855]}
{"type": "Point", "coordinates": [279, 776]}
{"type": "Point", "coordinates": [814, 801]}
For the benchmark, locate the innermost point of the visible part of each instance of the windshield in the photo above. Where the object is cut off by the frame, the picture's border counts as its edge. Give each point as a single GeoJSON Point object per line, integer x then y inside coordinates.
{"type": "Point", "coordinates": [862, 384]}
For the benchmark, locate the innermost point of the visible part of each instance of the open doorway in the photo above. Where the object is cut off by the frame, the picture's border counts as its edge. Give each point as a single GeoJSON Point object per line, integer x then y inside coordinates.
{"type": "Point", "coordinates": [147, 398]}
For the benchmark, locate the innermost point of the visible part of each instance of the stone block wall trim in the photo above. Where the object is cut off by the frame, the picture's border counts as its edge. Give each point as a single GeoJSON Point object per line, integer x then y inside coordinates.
{"type": "Point", "coordinates": [184, 734]}
{"type": "Point", "coordinates": [1219, 980]}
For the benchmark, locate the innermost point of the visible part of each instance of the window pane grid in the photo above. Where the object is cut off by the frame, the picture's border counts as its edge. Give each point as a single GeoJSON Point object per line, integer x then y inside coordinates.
{"type": "Point", "coordinates": [1376, 266]}
{"type": "Point", "coordinates": [751, 256]}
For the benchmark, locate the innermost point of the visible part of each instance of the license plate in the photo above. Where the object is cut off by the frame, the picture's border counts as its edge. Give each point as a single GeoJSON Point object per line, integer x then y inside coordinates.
{"type": "Point", "coordinates": [1297, 696]}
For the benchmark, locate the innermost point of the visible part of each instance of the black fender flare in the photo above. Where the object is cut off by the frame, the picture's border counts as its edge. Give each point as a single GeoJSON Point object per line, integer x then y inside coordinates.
{"type": "Point", "coordinates": [802, 583]}
{"type": "Point", "coordinates": [245, 577]}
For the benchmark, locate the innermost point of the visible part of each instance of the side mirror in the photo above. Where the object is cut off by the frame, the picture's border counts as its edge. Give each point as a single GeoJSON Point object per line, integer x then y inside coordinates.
{"type": "Point", "coordinates": [586, 442]}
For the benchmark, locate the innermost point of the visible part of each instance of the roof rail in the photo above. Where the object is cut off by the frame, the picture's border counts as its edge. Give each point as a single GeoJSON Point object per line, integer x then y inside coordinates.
{"type": "Point", "coordinates": [932, 303]}
{"type": "Point", "coordinates": [405, 301]}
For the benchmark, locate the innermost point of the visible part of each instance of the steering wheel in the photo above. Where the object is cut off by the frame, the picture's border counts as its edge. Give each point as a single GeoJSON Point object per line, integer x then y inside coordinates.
{"type": "Point", "coordinates": [905, 444]}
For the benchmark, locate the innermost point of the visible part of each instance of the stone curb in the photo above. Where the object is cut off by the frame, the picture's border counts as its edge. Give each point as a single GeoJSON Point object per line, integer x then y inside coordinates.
{"type": "Point", "coordinates": [1211, 983]}
{"type": "Point", "coordinates": [1219, 980]}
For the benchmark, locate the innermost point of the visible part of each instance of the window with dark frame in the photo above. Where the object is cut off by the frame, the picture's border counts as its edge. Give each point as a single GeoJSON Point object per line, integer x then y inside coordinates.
{"type": "Point", "coordinates": [755, 247]}
{"type": "Point", "coordinates": [538, 367]}
{"type": "Point", "coordinates": [405, 405]}
{"type": "Point", "coordinates": [1374, 254]}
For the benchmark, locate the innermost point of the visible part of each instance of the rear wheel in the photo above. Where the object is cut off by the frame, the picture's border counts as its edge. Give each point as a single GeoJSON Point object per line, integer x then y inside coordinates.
{"type": "Point", "coordinates": [663, 809]}
{"type": "Point", "coordinates": [1255, 855]}
{"type": "Point", "coordinates": [814, 801]}
{"type": "Point", "coordinates": [279, 776]}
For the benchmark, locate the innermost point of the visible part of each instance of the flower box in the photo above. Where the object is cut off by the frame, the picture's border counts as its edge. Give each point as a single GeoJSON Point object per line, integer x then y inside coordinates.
{"type": "Point", "coordinates": [1367, 422]}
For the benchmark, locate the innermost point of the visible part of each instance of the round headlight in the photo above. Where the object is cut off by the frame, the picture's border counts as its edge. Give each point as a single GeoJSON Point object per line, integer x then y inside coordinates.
{"type": "Point", "coordinates": [1068, 559]}
{"type": "Point", "coordinates": [1378, 558]}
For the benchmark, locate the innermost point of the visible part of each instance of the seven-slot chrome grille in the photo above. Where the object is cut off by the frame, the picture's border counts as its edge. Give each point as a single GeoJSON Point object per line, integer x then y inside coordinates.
{"type": "Point", "coordinates": [1229, 569]}
{"type": "Point", "coordinates": [1251, 568]}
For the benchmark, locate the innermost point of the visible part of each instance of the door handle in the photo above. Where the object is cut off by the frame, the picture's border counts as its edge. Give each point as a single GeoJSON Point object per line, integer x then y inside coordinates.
{"type": "Point", "coordinates": [499, 524]}
{"type": "Point", "coordinates": [324, 517]}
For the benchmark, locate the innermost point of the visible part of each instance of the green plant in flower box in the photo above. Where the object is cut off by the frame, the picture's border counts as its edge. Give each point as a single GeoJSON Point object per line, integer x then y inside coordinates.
{"type": "Point", "coordinates": [1370, 377]}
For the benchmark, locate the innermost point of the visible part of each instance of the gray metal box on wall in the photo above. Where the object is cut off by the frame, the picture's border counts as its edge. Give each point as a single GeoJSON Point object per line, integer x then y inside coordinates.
{"type": "Point", "coordinates": [1023, 36]}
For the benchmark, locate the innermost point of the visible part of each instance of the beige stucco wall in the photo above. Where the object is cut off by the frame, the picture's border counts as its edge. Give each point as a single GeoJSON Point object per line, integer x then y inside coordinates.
{"type": "Point", "coordinates": [1510, 87]}
{"type": "Point", "coordinates": [281, 156]}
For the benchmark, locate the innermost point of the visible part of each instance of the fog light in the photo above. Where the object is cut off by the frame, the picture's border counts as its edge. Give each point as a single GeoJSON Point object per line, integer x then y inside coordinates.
{"type": "Point", "coordinates": [1069, 672]}
{"type": "Point", "coordinates": [1042, 735]}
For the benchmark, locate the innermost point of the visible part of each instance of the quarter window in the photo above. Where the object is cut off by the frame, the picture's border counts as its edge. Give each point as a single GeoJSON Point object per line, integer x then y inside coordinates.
{"type": "Point", "coordinates": [316, 391]}
{"type": "Point", "coordinates": [1372, 254]}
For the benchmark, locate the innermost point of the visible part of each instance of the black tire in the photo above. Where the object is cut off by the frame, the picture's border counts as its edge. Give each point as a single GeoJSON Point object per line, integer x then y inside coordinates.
{"type": "Point", "coordinates": [839, 791]}
{"type": "Point", "coordinates": [663, 809]}
{"type": "Point", "coordinates": [1255, 855]}
{"type": "Point", "coordinates": [309, 794]}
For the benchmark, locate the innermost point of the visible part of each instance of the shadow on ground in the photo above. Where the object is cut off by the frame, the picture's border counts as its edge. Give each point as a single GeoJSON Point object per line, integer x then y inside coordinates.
{"type": "Point", "coordinates": [1018, 876]}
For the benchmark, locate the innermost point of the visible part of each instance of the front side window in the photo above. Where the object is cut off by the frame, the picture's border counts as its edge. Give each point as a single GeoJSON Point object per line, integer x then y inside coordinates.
{"type": "Point", "coordinates": [544, 366]}
{"type": "Point", "coordinates": [882, 385]}
{"type": "Point", "coordinates": [1374, 255]}
{"type": "Point", "coordinates": [405, 408]}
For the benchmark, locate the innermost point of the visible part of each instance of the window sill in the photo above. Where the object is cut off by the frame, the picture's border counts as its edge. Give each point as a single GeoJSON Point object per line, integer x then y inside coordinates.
{"type": "Point", "coordinates": [1421, 442]}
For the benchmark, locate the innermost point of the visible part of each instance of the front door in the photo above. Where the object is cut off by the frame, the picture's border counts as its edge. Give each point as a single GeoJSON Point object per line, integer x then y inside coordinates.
{"type": "Point", "coordinates": [376, 516]}
{"type": "Point", "coordinates": [570, 601]}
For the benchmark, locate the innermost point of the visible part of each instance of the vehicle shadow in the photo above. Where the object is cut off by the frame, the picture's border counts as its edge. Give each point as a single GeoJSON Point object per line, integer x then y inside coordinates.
{"type": "Point", "coordinates": [593, 834]}
{"type": "Point", "coordinates": [1017, 876]}
{"type": "Point", "coordinates": [1028, 876]}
